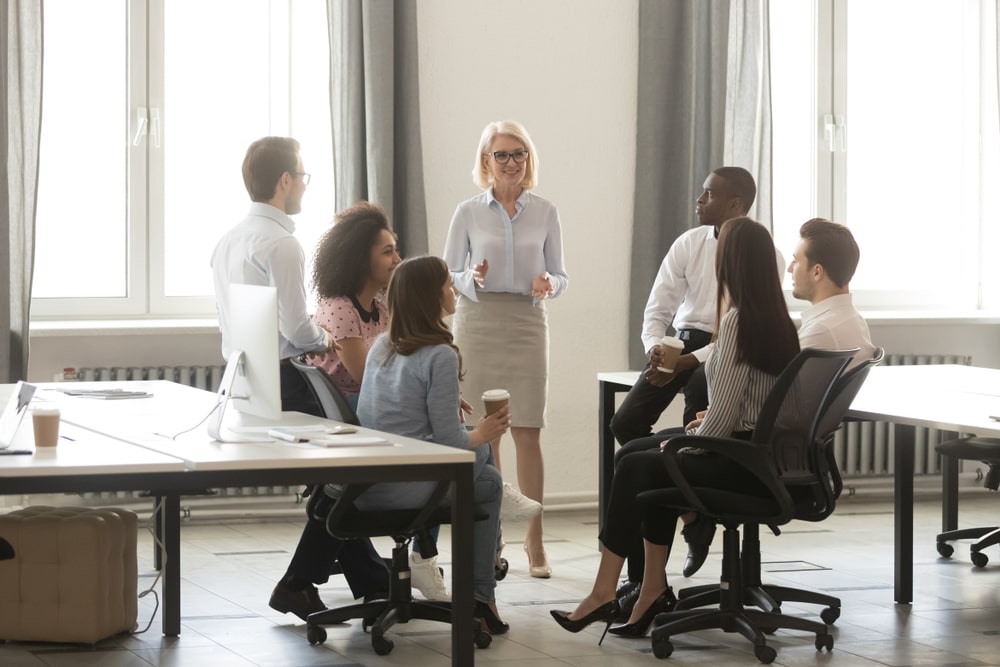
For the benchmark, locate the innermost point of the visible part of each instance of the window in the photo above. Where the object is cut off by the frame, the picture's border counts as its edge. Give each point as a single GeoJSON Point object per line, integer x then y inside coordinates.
{"type": "Point", "coordinates": [885, 120]}
{"type": "Point", "coordinates": [149, 107]}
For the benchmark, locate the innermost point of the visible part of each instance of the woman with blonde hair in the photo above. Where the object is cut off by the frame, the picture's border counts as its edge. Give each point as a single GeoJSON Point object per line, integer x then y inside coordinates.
{"type": "Point", "coordinates": [504, 250]}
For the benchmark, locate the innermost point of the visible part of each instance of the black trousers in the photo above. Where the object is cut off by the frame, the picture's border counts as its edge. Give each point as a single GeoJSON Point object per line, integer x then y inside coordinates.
{"type": "Point", "coordinates": [317, 550]}
{"type": "Point", "coordinates": [645, 402]}
{"type": "Point", "coordinates": [639, 467]}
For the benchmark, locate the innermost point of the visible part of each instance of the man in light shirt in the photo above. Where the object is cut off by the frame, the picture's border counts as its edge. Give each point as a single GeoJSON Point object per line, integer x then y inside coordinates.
{"type": "Point", "coordinates": [684, 297]}
{"type": "Point", "coordinates": [261, 250]}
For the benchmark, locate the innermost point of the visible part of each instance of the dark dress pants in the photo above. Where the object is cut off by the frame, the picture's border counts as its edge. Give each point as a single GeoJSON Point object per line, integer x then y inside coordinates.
{"type": "Point", "coordinates": [364, 569]}
{"type": "Point", "coordinates": [644, 403]}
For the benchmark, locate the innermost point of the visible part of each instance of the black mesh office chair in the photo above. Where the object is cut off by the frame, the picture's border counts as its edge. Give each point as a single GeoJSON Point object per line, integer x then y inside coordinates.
{"type": "Point", "coordinates": [334, 505]}
{"type": "Point", "coordinates": [331, 400]}
{"type": "Point", "coordinates": [986, 450]}
{"type": "Point", "coordinates": [6, 551]}
{"type": "Point", "coordinates": [779, 454]}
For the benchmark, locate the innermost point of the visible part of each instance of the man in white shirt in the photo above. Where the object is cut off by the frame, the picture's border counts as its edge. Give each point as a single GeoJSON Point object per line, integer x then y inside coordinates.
{"type": "Point", "coordinates": [261, 250]}
{"type": "Point", "coordinates": [684, 297]}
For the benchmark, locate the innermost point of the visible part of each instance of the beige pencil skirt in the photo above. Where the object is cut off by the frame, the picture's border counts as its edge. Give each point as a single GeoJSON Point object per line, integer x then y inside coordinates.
{"type": "Point", "coordinates": [504, 339]}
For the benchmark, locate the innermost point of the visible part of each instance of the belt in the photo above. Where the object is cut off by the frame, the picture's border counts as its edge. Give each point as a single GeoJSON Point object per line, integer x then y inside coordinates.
{"type": "Point", "coordinates": [693, 334]}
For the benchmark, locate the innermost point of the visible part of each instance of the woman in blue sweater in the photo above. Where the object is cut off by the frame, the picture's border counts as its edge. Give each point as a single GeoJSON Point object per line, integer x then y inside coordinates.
{"type": "Point", "coordinates": [411, 388]}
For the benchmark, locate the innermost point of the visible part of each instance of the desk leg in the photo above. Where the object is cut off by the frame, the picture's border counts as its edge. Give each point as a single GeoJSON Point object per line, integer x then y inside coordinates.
{"type": "Point", "coordinates": [170, 536]}
{"type": "Point", "coordinates": [949, 493]}
{"type": "Point", "coordinates": [605, 447]}
{"type": "Point", "coordinates": [903, 442]}
{"type": "Point", "coordinates": [461, 567]}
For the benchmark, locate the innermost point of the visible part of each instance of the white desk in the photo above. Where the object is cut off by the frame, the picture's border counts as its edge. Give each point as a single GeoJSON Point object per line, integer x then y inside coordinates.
{"type": "Point", "coordinates": [948, 397]}
{"type": "Point", "coordinates": [131, 427]}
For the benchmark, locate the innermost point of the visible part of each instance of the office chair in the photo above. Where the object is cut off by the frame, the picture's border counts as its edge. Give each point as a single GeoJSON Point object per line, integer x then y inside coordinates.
{"type": "Point", "coordinates": [6, 551]}
{"type": "Point", "coordinates": [334, 504]}
{"type": "Point", "coordinates": [331, 400]}
{"type": "Point", "coordinates": [986, 450]}
{"type": "Point", "coordinates": [779, 454]}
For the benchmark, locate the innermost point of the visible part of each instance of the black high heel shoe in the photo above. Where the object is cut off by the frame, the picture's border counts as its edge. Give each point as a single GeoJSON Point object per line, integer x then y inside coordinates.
{"type": "Point", "coordinates": [666, 602]}
{"type": "Point", "coordinates": [492, 622]}
{"type": "Point", "coordinates": [606, 613]}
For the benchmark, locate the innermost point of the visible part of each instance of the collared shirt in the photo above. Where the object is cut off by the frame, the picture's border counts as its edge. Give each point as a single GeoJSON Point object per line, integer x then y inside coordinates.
{"type": "Point", "coordinates": [518, 248]}
{"type": "Point", "coordinates": [835, 324]}
{"type": "Point", "coordinates": [261, 250]}
{"type": "Point", "coordinates": [685, 290]}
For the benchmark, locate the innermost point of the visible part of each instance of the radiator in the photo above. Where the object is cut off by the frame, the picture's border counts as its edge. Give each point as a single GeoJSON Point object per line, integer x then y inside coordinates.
{"type": "Point", "coordinates": [862, 448]}
{"type": "Point", "coordinates": [202, 377]}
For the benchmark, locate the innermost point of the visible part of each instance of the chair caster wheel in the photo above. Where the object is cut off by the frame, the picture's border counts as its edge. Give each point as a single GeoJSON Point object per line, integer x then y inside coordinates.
{"type": "Point", "coordinates": [830, 615]}
{"type": "Point", "coordinates": [979, 559]}
{"type": "Point", "coordinates": [765, 654]}
{"type": "Point", "coordinates": [662, 648]}
{"type": "Point", "coordinates": [945, 549]}
{"type": "Point", "coordinates": [315, 634]}
{"type": "Point", "coordinates": [483, 639]}
{"type": "Point", "coordinates": [381, 645]}
{"type": "Point", "coordinates": [824, 642]}
{"type": "Point", "coordinates": [500, 569]}
{"type": "Point", "coordinates": [366, 624]}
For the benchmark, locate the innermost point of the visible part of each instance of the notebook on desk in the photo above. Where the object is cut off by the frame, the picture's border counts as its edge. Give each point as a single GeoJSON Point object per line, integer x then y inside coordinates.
{"type": "Point", "coordinates": [14, 411]}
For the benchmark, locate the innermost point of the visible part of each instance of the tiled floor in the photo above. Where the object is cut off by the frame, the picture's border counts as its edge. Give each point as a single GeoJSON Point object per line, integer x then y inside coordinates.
{"type": "Point", "coordinates": [229, 571]}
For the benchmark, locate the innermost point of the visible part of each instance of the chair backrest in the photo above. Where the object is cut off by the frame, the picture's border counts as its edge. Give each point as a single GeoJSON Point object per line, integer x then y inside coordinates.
{"type": "Point", "coordinates": [815, 497]}
{"type": "Point", "coordinates": [789, 417]}
{"type": "Point", "coordinates": [331, 400]}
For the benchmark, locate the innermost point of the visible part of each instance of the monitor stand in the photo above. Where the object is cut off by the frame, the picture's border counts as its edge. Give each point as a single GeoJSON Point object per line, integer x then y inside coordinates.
{"type": "Point", "coordinates": [241, 427]}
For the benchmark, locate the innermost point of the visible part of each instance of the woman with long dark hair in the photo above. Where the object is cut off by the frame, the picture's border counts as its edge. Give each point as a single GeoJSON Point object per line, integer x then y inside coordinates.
{"type": "Point", "coordinates": [755, 341]}
{"type": "Point", "coordinates": [411, 387]}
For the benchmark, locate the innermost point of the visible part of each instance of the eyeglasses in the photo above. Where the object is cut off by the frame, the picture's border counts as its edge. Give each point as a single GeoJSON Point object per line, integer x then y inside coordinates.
{"type": "Point", "coordinates": [305, 177]}
{"type": "Point", "coordinates": [503, 156]}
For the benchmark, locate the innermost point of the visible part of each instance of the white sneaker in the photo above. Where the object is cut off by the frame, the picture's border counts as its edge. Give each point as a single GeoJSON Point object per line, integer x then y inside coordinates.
{"type": "Point", "coordinates": [426, 578]}
{"type": "Point", "coordinates": [516, 506]}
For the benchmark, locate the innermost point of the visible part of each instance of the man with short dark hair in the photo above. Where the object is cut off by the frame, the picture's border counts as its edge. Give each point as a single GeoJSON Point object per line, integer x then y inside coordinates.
{"type": "Point", "coordinates": [684, 297]}
{"type": "Point", "coordinates": [261, 250]}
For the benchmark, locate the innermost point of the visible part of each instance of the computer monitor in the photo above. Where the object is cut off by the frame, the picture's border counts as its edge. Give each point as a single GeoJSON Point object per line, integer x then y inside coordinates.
{"type": "Point", "coordinates": [251, 383]}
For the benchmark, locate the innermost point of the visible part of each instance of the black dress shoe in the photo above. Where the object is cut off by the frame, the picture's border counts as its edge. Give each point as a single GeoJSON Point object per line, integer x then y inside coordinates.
{"type": "Point", "coordinates": [666, 602]}
{"type": "Point", "coordinates": [492, 622]}
{"type": "Point", "coordinates": [301, 603]}
{"type": "Point", "coordinates": [698, 534]}
{"type": "Point", "coordinates": [606, 613]}
{"type": "Point", "coordinates": [627, 594]}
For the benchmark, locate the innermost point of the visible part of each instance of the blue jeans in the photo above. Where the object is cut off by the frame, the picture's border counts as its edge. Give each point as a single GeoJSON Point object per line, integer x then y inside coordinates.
{"type": "Point", "coordinates": [487, 492]}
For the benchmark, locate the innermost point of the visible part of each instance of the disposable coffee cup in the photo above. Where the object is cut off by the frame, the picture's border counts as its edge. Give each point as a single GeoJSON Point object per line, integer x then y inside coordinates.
{"type": "Point", "coordinates": [671, 349]}
{"type": "Point", "coordinates": [494, 399]}
{"type": "Point", "coordinates": [45, 420]}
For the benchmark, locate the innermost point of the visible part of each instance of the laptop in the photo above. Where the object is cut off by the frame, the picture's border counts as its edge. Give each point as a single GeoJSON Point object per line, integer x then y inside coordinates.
{"type": "Point", "coordinates": [13, 413]}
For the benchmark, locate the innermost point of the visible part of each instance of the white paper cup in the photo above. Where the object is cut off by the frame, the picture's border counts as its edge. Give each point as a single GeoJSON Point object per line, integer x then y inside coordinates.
{"type": "Point", "coordinates": [45, 420]}
{"type": "Point", "coordinates": [671, 349]}
{"type": "Point", "coordinates": [494, 399]}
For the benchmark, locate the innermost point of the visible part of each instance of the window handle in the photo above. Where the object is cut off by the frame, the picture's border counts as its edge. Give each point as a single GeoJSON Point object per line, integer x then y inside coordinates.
{"type": "Point", "coordinates": [141, 123]}
{"type": "Point", "coordinates": [830, 132]}
{"type": "Point", "coordinates": [841, 134]}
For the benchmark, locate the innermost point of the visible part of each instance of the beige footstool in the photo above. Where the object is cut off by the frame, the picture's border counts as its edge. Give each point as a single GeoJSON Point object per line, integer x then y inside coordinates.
{"type": "Point", "coordinates": [73, 577]}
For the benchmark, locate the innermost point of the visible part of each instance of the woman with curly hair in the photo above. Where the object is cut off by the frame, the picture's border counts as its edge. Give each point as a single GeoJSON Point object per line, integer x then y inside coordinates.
{"type": "Point", "coordinates": [351, 269]}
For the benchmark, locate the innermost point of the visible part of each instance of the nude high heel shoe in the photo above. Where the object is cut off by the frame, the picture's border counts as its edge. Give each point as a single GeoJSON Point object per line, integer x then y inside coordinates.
{"type": "Point", "coordinates": [540, 571]}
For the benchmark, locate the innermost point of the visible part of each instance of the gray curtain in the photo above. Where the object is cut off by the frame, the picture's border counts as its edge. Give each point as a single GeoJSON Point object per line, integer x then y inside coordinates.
{"type": "Point", "coordinates": [375, 103]}
{"type": "Point", "coordinates": [680, 133]}
{"type": "Point", "coordinates": [21, 106]}
{"type": "Point", "coordinates": [704, 100]}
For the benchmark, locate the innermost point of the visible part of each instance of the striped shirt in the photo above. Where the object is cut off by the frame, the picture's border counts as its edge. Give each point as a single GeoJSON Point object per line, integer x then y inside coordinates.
{"type": "Point", "coordinates": [736, 390]}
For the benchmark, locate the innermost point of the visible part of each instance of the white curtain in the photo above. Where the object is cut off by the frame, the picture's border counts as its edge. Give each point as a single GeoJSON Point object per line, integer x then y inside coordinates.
{"type": "Point", "coordinates": [21, 90]}
{"type": "Point", "coordinates": [375, 106]}
{"type": "Point", "coordinates": [748, 98]}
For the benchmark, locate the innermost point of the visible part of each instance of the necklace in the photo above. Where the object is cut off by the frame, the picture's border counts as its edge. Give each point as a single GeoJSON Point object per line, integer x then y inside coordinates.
{"type": "Point", "coordinates": [366, 315]}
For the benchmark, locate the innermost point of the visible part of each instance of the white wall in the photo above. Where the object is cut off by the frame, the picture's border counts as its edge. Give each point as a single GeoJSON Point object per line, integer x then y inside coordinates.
{"type": "Point", "coordinates": [567, 70]}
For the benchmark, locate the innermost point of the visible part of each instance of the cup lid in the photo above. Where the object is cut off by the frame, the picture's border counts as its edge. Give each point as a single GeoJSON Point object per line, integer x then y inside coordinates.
{"type": "Point", "coordinates": [495, 394]}
{"type": "Point", "coordinates": [672, 341]}
{"type": "Point", "coordinates": [44, 409]}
